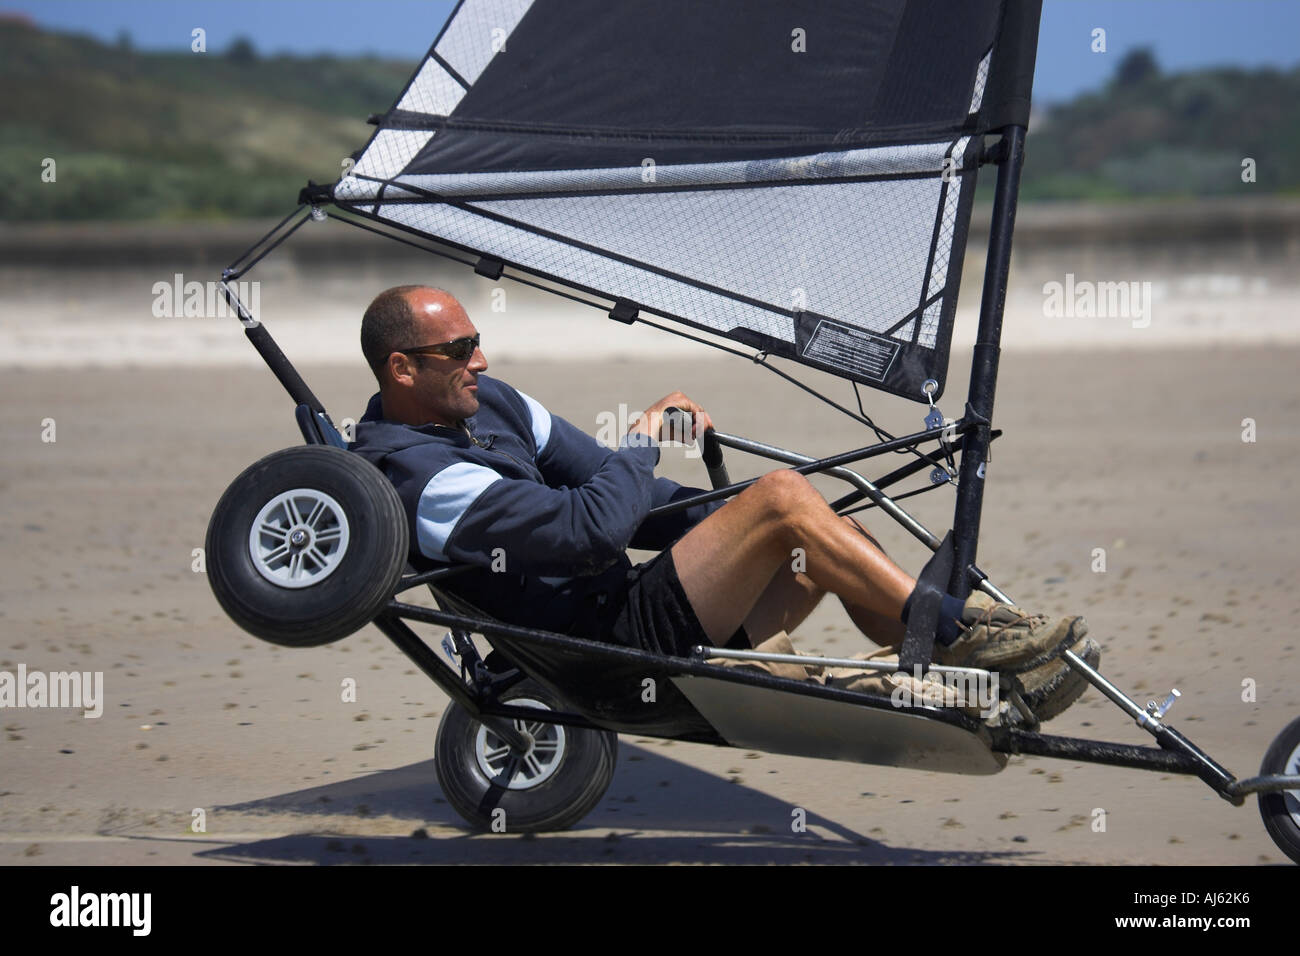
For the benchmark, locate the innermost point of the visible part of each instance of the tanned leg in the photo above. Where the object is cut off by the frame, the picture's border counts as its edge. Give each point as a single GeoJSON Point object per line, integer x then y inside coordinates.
{"type": "Point", "coordinates": [884, 629]}
{"type": "Point", "coordinates": [791, 596]}
{"type": "Point", "coordinates": [729, 560]}
{"type": "Point", "coordinates": [784, 604]}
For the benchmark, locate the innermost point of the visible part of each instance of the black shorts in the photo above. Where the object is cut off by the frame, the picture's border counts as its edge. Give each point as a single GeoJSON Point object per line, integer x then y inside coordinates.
{"type": "Point", "coordinates": [653, 613]}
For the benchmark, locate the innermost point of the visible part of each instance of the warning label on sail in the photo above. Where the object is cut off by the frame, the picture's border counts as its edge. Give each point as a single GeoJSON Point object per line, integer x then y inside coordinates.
{"type": "Point", "coordinates": [851, 349]}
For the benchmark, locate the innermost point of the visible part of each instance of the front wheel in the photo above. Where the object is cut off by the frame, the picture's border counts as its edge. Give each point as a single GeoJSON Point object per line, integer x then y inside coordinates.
{"type": "Point", "coordinates": [1281, 811]}
{"type": "Point", "coordinates": [306, 546]}
{"type": "Point", "coordinates": [552, 786]}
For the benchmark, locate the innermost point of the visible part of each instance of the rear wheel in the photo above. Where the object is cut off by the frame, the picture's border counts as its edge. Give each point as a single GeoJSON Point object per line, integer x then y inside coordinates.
{"type": "Point", "coordinates": [1281, 811]}
{"type": "Point", "coordinates": [306, 546]}
{"type": "Point", "coordinates": [551, 786]}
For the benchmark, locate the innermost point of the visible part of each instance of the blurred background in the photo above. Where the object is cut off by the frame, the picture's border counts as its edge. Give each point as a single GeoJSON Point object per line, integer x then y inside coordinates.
{"type": "Point", "coordinates": [1163, 150]}
{"type": "Point", "coordinates": [144, 139]}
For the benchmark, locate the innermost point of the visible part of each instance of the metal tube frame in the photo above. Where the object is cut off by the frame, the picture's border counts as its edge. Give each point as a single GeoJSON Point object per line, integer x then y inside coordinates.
{"type": "Point", "coordinates": [1176, 753]}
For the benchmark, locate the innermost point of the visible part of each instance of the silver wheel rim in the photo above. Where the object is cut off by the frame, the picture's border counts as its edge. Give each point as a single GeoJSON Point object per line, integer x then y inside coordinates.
{"type": "Point", "coordinates": [1291, 798]}
{"type": "Point", "coordinates": [513, 771]}
{"type": "Point", "coordinates": [299, 538]}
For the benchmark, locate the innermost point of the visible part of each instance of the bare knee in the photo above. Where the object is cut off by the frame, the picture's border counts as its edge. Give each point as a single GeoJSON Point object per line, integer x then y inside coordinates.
{"type": "Point", "coordinates": [784, 487]}
{"type": "Point", "coordinates": [785, 499]}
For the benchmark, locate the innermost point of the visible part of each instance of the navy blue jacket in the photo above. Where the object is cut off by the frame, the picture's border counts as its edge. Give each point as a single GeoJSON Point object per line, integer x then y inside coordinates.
{"type": "Point", "coordinates": [541, 507]}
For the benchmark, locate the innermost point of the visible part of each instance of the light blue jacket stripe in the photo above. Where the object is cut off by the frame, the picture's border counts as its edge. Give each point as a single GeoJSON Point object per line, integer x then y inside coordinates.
{"type": "Point", "coordinates": [445, 499]}
{"type": "Point", "coordinates": [541, 421]}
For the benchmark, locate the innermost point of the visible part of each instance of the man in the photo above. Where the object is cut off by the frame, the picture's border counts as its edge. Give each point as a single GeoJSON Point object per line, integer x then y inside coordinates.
{"type": "Point", "coordinates": [489, 477]}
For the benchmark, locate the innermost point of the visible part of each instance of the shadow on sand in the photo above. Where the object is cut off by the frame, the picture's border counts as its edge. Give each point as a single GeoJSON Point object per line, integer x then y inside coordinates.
{"type": "Point", "coordinates": [656, 810]}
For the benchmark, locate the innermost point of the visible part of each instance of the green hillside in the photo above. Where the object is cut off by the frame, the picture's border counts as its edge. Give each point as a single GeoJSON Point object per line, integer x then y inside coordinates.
{"type": "Point", "coordinates": [229, 134]}
{"type": "Point", "coordinates": [174, 135]}
{"type": "Point", "coordinates": [1181, 135]}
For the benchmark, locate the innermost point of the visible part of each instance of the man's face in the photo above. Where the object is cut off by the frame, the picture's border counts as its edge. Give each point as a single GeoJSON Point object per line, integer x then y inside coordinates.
{"type": "Point", "coordinates": [445, 390]}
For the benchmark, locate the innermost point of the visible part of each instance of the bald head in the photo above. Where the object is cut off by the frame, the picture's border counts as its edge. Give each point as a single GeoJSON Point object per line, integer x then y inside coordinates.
{"type": "Point", "coordinates": [421, 387]}
{"type": "Point", "coordinates": [399, 317]}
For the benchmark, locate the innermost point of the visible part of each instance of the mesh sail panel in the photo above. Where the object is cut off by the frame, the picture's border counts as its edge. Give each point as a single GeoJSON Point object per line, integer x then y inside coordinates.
{"type": "Point", "coordinates": [794, 177]}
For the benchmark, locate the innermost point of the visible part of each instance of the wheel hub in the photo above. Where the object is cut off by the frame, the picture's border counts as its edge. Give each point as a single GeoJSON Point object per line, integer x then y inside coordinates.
{"type": "Point", "coordinates": [521, 771]}
{"type": "Point", "coordinates": [299, 538]}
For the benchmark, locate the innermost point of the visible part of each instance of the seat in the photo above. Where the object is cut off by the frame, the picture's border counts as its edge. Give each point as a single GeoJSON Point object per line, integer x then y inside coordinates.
{"type": "Point", "coordinates": [317, 429]}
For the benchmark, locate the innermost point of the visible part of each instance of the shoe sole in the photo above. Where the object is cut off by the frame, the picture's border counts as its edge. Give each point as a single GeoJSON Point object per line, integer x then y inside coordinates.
{"type": "Point", "coordinates": [1075, 634]}
{"type": "Point", "coordinates": [1077, 630]}
{"type": "Point", "coordinates": [1058, 685]}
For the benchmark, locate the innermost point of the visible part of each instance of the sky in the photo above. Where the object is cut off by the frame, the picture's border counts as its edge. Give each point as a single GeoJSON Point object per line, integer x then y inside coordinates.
{"type": "Point", "coordinates": [1185, 34]}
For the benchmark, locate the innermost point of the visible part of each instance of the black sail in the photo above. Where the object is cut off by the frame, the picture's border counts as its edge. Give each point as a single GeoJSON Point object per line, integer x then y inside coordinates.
{"type": "Point", "coordinates": [794, 176]}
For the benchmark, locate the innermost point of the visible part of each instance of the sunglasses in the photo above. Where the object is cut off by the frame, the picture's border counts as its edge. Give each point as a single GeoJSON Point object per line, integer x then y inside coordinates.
{"type": "Point", "coordinates": [458, 349]}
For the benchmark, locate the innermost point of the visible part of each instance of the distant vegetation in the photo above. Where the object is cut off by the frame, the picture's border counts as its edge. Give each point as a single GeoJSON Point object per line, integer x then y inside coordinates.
{"type": "Point", "coordinates": [232, 134]}
{"type": "Point", "coordinates": [142, 135]}
{"type": "Point", "coordinates": [1147, 134]}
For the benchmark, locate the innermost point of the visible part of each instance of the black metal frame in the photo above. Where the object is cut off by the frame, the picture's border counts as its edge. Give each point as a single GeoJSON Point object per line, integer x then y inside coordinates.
{"type": "Point", "coordinates": [476, 687]}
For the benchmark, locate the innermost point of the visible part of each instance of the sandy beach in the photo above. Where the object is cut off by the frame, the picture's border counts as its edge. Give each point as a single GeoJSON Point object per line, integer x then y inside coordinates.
{"type": "Point", "coordinates": [1138, 451]}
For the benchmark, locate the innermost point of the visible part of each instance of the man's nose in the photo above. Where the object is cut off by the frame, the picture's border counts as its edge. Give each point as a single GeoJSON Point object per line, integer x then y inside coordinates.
{"type": "Point", "coordinates": [478, 361]}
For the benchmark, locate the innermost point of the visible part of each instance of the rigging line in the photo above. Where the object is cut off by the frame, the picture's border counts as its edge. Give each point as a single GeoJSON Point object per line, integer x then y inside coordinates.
{"type": "Point", "coordinates": [880, 432]}
{"type": "Point", "coordinates": [560, 292]}
{"type": "Point", "coordinates": [857, 392]}
{"type": "Point", "coordinates": [864, 418]}
{"type": "Point", "coordinates": [702, 341]}
{"type": "Point", "coordinates": [761, 359]}
{"type": "Point", "coordinates": [269, 249]}
{"type": "Point", "coordinates": [394, 236]}
{"type": "Point", "coordinates": [906, 494]}
{"type": "Point", "coordinates": [230, 270]}
{"type": "Point", "coordinates": [468, 262]}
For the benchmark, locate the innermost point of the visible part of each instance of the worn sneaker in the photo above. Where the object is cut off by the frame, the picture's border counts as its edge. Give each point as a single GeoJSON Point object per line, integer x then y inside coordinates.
{"type": "Point", "coordinates": [999, 636]}
{"type": "Point", "coordinates": [1052, 687]}
{"type": "Point", "coordinates": [902, 688]}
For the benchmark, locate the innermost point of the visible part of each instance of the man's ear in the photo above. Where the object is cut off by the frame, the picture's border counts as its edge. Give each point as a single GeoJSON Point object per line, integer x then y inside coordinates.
{"type": "Point", "coordinates": [401, 370]}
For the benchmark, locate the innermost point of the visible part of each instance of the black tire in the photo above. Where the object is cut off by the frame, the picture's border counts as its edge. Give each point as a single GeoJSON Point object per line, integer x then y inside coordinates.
{"type": "Point", "coordinates": [579, 778]}
{"type": "Point", "coordinates": [1281, 811]}
{"type": "Point", "coordinates": [318, 606]}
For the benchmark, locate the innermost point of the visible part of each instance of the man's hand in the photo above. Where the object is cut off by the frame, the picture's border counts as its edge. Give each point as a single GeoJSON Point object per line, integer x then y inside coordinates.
{"type": "Point", "coordinates": [651, 421]}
